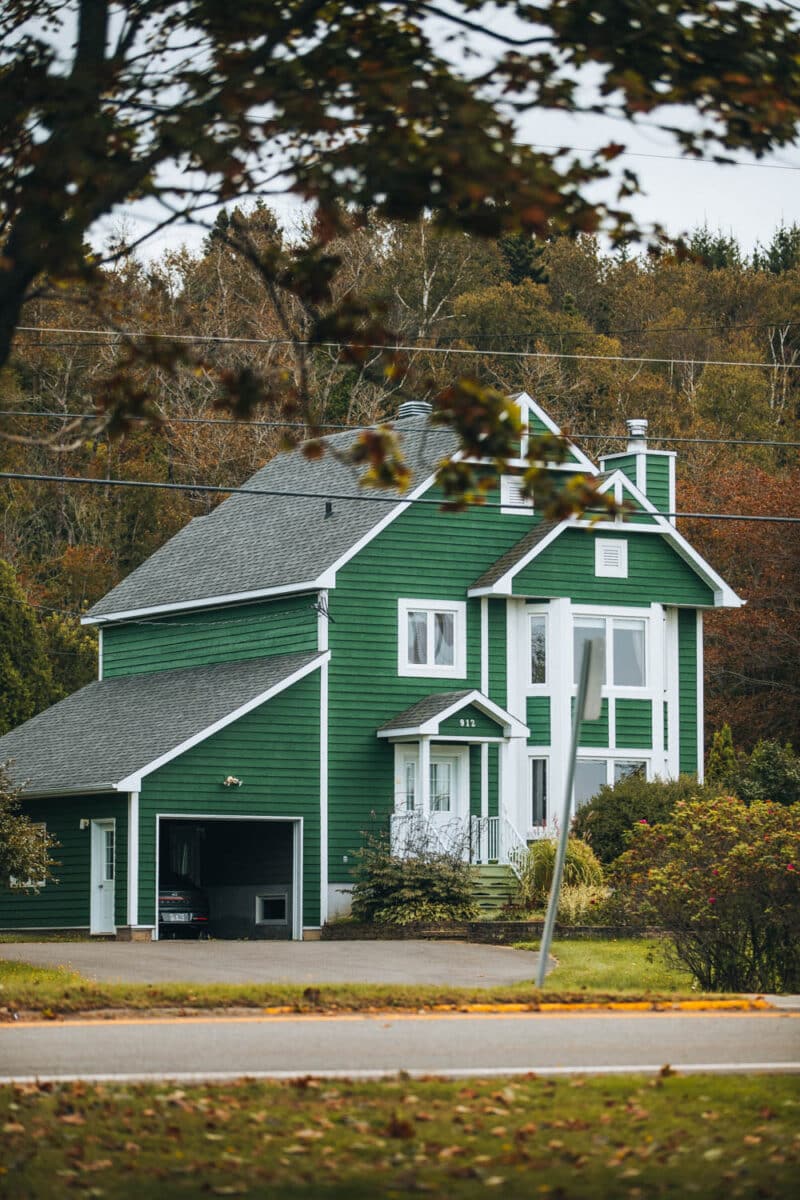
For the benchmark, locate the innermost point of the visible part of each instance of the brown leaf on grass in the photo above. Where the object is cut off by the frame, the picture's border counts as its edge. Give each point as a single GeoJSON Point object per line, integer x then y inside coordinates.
{"type": "Point", "coordinates": [13, 1127]}
{"type": "Point", "coordinates": [400, 1127]}
{"type": "Point", "coordinates": [72, 1119]}
{"type": "Point", "coordinates": [99, 1164]}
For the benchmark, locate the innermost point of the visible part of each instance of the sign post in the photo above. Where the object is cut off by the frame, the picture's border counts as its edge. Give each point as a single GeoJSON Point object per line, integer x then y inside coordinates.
{"type": "Point", "coordinates": [587, 708]}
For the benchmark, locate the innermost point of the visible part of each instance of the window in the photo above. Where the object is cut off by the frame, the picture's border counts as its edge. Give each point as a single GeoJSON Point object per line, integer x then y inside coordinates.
{"type": "Point", "coordinates": [627, 639]}
{"type": "Point", "coordinates": [538, 791]}
{"type": "Point", "coordinates": [611, 558]}
{"type": "Point", "coordinates": [432, 638]}
{"type": "Point", "coordinates": [441, 786]}
{"type": "Point", "coordinates": [538, 638]}
{"type": "Point", "coordinates": [272, 908]}
{"type": "Point", "coordinates": [512, 502]}
{"type": "Point", "coordinates": [593, 773]}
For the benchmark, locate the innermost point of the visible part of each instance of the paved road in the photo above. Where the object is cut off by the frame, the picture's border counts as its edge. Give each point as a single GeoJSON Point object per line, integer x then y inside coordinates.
{"type": "Point", "coordinates": [227, 1047]}
{"type": "Point", "coordinates": [455, 964]}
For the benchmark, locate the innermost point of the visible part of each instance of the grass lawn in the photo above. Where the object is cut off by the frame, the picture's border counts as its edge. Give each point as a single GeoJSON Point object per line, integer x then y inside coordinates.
{"type": "Point", "coordinates": [709, 1136]}
{"type": "Point", "coordinates": [628, 969]}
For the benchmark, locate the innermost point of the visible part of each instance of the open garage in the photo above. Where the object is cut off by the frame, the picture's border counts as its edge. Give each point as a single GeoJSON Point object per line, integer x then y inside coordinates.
{"type": "Point", "coordinates": [229, 877]}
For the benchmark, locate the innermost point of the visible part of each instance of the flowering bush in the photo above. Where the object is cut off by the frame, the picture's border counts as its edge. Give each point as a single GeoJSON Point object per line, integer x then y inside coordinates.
{"type": "Point", "coordinates": [723, 878]}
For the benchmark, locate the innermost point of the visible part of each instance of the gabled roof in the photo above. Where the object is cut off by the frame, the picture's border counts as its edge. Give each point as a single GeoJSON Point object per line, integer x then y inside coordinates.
{"type": "Point", "coordinates": [254, 546]}
{"type": "Point", "coordinates": [112, 732]}
{"type": "Point", "coordinates": [425, 717]}
{"type": "Point", "coordinates": [538, 421]}
{"type": "Point", "coordinates": [498, 579]}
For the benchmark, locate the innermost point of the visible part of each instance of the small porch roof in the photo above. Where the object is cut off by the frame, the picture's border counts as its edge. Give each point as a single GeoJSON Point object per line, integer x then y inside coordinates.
{"type": "Point", "coordinates": [426, 717]}
{"type": "Point", "coordinates": [111, 733]}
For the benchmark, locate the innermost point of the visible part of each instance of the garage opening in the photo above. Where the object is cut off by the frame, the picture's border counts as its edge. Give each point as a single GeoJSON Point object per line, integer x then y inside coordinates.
{"type": "Point", "coordinates": [226, 878]}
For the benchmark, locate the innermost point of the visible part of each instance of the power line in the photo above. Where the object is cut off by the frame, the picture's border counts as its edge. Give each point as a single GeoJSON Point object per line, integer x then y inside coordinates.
{"type": "Point", "coordinates": [213, 489]}
{"type": "Point", "coordinates": [684, 158]}
{"type": "Point", "coordinates": [455, 350]}
{"type": "Point", "coordinates": [170, 420]}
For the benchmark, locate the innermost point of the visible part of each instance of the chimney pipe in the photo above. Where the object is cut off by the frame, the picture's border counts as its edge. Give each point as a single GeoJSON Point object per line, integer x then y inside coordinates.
{"type": "Point", "coordinates": [637, 433]}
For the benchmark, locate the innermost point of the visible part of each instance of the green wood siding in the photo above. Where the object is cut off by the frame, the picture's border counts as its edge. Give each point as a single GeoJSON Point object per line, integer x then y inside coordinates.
{"type": "Point", "coordinates": [657, 489]}
{"type": "Point", "coordinates": [498, 688]}
{"type": "Point", "coordinates": [424, 554]}
{"type": "Point", "coordinates": [634, 724]}
{"type": "Point", "coordinates": [494, 781]}
{"type": "Point", "coordinates": [593, 733]}
{"type": "Point", "coordinates": [625, 463]}
{"type": "Point", "coordinates": [475, 781]}
{"type": "Point", "coordinates": [538, 720]}
{"type": "Point", "coordinates": [274, 750]}
{"type": "Point", "coordinates": [194, 639]}
{"type": "Point", "coordinates": [687, 691]}
{"type": "Point", "coordinates": [655, 573]}
{"type": "Point", "coordinates": [65, 904]}
{"type": "Point", "coordinates": [461, 724]}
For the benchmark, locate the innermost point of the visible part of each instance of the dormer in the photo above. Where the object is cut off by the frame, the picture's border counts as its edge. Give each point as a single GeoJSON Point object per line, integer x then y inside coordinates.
{"type": "Point", "coordinates": [535, 421]}
{"type": "Point", "coordinates": [652, 471]}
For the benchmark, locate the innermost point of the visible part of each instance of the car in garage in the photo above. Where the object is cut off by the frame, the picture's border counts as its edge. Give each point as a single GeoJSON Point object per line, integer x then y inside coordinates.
{"type": "Point", "coordinates": [182, 908]}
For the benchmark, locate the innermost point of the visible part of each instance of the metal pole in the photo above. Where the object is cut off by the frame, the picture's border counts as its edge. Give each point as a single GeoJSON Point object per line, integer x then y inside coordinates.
{"type": "Point", "coordinates": [592, 650]}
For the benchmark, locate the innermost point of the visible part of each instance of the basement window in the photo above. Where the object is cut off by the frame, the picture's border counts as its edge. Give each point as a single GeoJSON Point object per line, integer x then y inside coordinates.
{"type": "Point", "coordinates": [272, 908]}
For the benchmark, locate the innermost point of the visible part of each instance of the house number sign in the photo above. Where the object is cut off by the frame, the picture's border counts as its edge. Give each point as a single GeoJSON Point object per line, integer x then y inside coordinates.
{"type": "Point", "coordinates": [467, 722]}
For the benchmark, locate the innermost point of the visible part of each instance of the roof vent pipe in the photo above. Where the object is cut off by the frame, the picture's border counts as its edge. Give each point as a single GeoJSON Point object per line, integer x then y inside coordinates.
{"type": "Point", "coordinates": [637, 432]}
{"type": "Point", "coordinates": [414, 408]}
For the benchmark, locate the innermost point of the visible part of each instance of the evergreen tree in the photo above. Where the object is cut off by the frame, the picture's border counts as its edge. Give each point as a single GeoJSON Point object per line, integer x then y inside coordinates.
{"type": "Point", "coordinates": [26, 678]}
{"type": "Point", "coordinates": [716, 251]}
{"type": "Point", "coordinates": [783, 252]}
{"type": "Point", "coordinates": [522, 254]}
{"type": "Point", "coordinates": [722, 767]}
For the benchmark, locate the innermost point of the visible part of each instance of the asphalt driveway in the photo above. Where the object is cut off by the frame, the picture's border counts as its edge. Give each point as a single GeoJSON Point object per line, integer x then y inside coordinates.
{"type": "Point", "coordinates": [458, 964]}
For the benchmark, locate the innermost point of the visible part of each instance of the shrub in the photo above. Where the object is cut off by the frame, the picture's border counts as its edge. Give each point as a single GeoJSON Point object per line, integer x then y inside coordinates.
{"type": "Point", "coordinates": [582, 904]}
{"type": "Point", "coordinates": [606, 820]}
{"type": "Point", "coordinates": [428, 884]}
{"type": "Point", "coordinates": [723, 879]}
{"type": "Point", "coordinates": [770, 772]}
{"type": "Point", "coordinates": [581, 867]}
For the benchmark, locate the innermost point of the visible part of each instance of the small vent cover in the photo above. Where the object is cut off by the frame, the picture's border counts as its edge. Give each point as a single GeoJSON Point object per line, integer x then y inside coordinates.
{"type": "Point", "coordinates": [611, 558]}
{"type": "Point", "coordinates": [512, 500]}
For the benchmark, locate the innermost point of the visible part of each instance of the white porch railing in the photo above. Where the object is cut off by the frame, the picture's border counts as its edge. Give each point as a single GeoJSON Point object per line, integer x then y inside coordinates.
{"type": "Point", "coordinates": [495, 839]}
{"type": "Point", "coordinates": [478, 839]}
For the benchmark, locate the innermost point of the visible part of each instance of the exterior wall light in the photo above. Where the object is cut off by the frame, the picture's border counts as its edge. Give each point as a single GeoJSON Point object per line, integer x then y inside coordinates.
{"type": "Point", "coordinates": [231, 781]}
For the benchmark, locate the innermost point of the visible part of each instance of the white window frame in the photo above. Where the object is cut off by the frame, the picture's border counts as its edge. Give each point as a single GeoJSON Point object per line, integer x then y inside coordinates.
{"type": "Point", "coordinates": [611, 758]}
{"type": "Point", "coordinates": [430, 670]}
{"type": "Point", "coordinates": [635, 691]}
{"type": "Point", "coordinates": [511, 502]}
{"type": "Point", "coordinates": [273, 892]}
{"type": "Point", "coordinates": [541, 612]}
{"type": "Point", "coordinates": [539, 756]}
{"type": "Point", "coordinates": [602, 569]}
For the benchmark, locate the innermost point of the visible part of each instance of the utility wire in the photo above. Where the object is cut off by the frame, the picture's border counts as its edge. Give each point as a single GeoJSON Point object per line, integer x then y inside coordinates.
{"type": "Point", "coordinates": [684, 158]}
{"type": "Point", "coordinates": [169, 420]}
{"type": "Point", "coordinates": [405, 347]}
{"type": "Point", "coordinates": [213, 489]}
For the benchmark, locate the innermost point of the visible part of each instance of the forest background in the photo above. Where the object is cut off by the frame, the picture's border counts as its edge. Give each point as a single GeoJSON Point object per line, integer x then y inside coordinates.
{"type": "Point", "coordinates": [556, 317]}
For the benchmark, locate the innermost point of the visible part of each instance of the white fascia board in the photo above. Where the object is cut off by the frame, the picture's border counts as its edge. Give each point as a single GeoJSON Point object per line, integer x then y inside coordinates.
{"type": "Point", "coordinates": [724, 596]}
{"type": "Point", "coordinates": [392, 515]}
{"type": "Point", "coordinates": [284, 589]}
{"type": "Point", "coordinates": [502, 586]}
{"type": "Point", "coordinates": [133, 783]}
{"type": "Point", "coordinates": [430, 728]}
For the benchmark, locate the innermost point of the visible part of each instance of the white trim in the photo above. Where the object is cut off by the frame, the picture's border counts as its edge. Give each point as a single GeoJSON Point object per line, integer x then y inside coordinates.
{"type": "Point", "coordinates": [485, 779]}
{"type": "Point", "coordinates": [430, 728]}
{"type": "Point", "coordinates": [133, 858]}
{"type": "Point", "coordinates": [100, 653]}
{"type": "Point", "coordinates": [724, 595]}
{"type": "Point", "coordinates": [284, 589]}
{"type": "Point", "coordinates": [641, 471]}
{"type": "Point", "coordinates": [484, 645]}
{"type": "Point", "coordinates": [430, 670]}
{"type": "Point", "coordinates": [582, 462]}
{"type": "Point", "coordinates": [424, 775]}
{"type": "Point", "coordinates": [323, 793]}
{"type": "Point", "coordinates": [133, 783]}
{"type": "Point", "coordinates": [561, 698]}
{"type": "Point", "coordinates": [297, 858]}
{"type": "Point", "coordinates": [700, 701]}
{"type": "Point", "coordinates": [322, 620]}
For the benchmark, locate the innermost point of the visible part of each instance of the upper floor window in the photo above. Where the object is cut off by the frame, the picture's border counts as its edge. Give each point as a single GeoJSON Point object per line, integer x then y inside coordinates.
{"type": "Point", "coordinates": [625, 645]}
{"type": "Point", "coordinates": [538, 640]}
{"type": "Point", "coordinates": [432, 637]}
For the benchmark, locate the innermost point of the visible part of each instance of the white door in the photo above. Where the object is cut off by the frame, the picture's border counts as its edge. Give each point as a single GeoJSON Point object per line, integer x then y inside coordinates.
{"type": "Point", "coordinates": [101, 917]}
{"type": "Point", "coordinates": [449, 793]}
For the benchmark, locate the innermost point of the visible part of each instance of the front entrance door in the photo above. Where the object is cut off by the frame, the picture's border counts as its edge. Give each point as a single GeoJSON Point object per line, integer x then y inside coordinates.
{"type": "Point", "coordinates": [101, 915]}
{"type": "Point", "coordinates": [449, 793]}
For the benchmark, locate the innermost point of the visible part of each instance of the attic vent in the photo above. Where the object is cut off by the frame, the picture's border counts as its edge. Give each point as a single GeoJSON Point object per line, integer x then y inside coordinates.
{"type": "Point", "coordinates": [512, 500]}
{"type": "Point", "coordinates": [414, 408]}
{"type": "Point", "coordinates": [611, 558]}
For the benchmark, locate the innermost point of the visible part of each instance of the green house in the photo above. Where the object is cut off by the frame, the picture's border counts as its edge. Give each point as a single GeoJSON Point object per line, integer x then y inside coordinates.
{"type": "Point", "coordinates": [316, 660]}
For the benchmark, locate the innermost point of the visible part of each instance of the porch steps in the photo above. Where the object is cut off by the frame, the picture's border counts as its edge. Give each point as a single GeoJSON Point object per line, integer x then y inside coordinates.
{"type": "Point", "coordinates": [494, 887]}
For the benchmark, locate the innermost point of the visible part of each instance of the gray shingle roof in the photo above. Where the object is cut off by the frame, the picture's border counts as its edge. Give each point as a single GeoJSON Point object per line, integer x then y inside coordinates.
{"type": "Point", "coordinates": [511, 557]}
{"type": "Point", "coordinates": [424, 710]}
{"type": "Point", "coordinates": [115, 727]}
{"type": "Point", "coordinates": [251, 543]}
